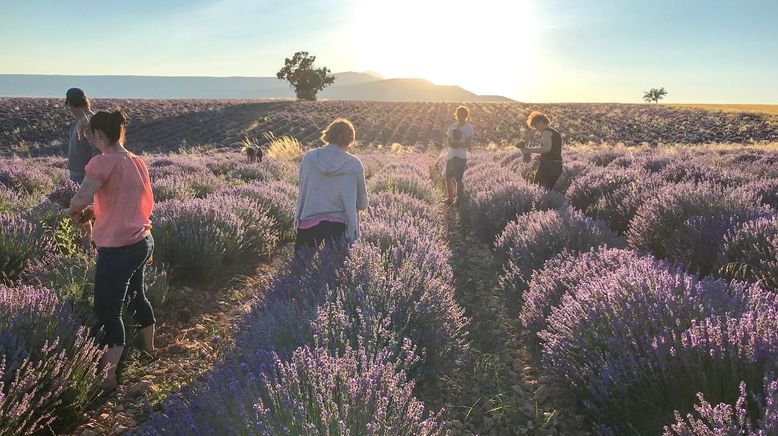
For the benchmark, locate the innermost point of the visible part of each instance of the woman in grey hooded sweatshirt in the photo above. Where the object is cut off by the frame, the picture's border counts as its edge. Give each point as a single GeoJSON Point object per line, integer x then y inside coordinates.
{"type": "Point", "coordinates": [331, 191]}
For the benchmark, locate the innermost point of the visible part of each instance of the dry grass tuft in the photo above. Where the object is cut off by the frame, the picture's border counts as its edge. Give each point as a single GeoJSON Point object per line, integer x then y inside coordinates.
{"type": "Point", "coordinates": [285, 148]}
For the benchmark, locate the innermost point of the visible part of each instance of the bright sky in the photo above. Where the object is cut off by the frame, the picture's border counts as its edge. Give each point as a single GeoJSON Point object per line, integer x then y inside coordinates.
{"type": "Point", "coordinates": [531, 50]}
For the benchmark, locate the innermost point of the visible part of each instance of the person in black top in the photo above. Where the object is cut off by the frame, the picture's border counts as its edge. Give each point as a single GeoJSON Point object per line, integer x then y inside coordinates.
{"type": "Point", "coordinates": [550, 150]}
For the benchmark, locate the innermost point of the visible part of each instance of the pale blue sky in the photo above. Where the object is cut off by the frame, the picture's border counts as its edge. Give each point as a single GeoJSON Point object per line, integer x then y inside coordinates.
{"type": "Point", "coordinates": [531, 50]}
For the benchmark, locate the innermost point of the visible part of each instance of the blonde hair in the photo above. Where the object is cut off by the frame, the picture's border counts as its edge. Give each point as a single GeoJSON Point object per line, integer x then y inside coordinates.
{"type": "Point", "coordinates": [340, 132]}
{"type": "Point", "coordinates": [537, 117]}
{"type": "Point", "coordinates": [464, 110]}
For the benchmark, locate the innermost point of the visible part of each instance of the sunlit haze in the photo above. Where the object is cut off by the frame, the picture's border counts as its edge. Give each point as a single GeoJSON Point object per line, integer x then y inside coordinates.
{"type": "Point", "coordinates": [529, 50]}
{"type": "Point", "coordinates": [488, 48]}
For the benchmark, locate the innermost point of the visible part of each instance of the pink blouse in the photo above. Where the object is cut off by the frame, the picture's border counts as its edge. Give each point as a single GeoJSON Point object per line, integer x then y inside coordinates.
{"type": "Point", "coordinates": [124, 201]}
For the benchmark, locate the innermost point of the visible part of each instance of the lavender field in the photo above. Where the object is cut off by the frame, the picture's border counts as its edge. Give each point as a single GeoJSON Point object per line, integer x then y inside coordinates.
{"type": "Point", "coordinates": [639, 297]}
{"type": "Point", "coordinates": [35, 126]}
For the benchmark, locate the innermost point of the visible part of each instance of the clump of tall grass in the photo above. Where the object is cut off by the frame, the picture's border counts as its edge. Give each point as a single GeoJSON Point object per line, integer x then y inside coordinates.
{"type": "Point", "coordinates": [285, 148]}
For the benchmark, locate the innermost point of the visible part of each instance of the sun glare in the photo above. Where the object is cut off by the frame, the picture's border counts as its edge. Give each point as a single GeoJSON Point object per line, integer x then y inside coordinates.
{"type": "Point", "coordinates": [484, 46]}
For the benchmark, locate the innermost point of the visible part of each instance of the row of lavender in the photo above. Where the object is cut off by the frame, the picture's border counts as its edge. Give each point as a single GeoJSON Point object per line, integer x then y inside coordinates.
{"type": "Point", "coordinates": [642, 345]}
{"type": "Point", "coordinates": [346, 338]}
{"type": "Point", "coordinates": [214, 214]}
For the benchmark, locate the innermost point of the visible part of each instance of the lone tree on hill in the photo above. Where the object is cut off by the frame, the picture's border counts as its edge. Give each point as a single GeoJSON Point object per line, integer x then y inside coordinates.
{"type": "Point", "coordinates": [306, 80]}
{"type": "Point", "coordinates": [654, 95]}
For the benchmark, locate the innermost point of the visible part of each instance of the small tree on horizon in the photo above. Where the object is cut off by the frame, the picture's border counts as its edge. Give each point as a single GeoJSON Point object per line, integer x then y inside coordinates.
{"type": "Point", "coordinates": [654, 95]}
{"type": "Point", "coordinates": [301, 74]}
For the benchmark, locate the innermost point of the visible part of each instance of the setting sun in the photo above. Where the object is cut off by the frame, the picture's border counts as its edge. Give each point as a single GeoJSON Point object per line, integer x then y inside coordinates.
{"type": "Point", "coordinates": [449, 42]}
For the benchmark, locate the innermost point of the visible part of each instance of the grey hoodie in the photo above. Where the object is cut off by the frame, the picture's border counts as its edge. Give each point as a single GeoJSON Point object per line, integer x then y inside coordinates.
{"type": "Point", "coordinates": [332, 182]}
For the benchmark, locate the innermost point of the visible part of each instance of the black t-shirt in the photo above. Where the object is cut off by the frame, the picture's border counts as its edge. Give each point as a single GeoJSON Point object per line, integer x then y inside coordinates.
{"type": "Point", "coordinates": [555, 154]}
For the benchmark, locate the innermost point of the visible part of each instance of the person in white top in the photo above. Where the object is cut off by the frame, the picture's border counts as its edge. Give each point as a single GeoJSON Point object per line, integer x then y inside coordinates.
{"type": "Point", "coordinates": [460, 139]}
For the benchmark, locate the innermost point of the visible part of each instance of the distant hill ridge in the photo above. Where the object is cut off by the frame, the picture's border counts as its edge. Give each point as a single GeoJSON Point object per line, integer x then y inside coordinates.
{"type": "Point", "coordinates": [348, 86]}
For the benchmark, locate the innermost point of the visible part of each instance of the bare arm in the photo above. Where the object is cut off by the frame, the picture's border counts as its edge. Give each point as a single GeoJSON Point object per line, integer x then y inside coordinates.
{"type": "Point", "coordinates": [84, 196]}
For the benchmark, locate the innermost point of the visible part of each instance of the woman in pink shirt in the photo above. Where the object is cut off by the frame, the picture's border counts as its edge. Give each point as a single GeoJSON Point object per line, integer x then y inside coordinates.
{"type": "Point", "coordinates": [118, 181]}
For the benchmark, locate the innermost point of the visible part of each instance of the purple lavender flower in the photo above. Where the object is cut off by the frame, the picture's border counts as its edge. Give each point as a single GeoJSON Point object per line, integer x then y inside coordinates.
{"type": "Point", "coordinates": [697, 172]}
{"type": "Point", "coordinates": [10, 200]}
{"type": "Point", "coordinates": [411, 184]}
{"type": "Point", "coordinates": [732, 419]}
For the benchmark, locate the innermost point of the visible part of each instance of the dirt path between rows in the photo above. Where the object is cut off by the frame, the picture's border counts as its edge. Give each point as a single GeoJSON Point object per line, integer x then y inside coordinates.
{"type": "Point", "coordinates": [194, 328]}
{"type": "Point", "coordinates": [499, 394]}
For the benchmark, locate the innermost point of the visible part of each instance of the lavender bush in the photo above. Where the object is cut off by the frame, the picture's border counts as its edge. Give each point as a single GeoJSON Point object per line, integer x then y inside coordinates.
{"type": "Point", "coordinates": [488, 208]}
{"type": "Point", "coordinates": [48, 364]}
{"type": "Point", "coordinates": [197, 239]}
{"type": "Point", "coordinates": [536, 237]}
{"type": "Point", "coordinates": [186, 186]}
{"type": "Point", "coordinates": [617, 344]}
{"type": "Point", "coordinates": [766, 190]}
{"type": "Point", "coordinates": [62, 195]}
{"type": "Point", "coordinates": [751, 252]}
{"type": "Point", "coordinates": [10, 200]}
{"type": "Point", "coordinates": [389, 207]}
{"type": "Point", "coordinates": [21, 243]}
{"type": "Point", "coordinates": [561, 275]}
{"type": "Point", "coordinates": [250, 172]}
{"type": "Point", "coordinates": [46, 215]}
{"type": "Point", "coordinates": [719, 354]}
{"type": "Point", "coordinates": [570, 172]}
{"type": "Point", "coordinates": [613, 195]}
{"type": "Point", "coordinates": [379, 302]}
{"type": "Point", "coordinates": [697, 172]}
{"type": "Point", "coordinates": [686, 223]}
{"type": "Point", "coordinates": [277, 197]}
{"type": "Point", "coordinates": [162, 166]}
{"type": "Point", "coordinates": [280, 321]}
{"type": "Point", "coordinates": [260, 237]}
{"type": "Point", "coordinates": [407, 238]}
{"type": "Point", "coordinates": [408, 184]}
{"type": "Point", "coordinates": [316, 393]}
{"type": "Point", "coordinates": [18, 174]}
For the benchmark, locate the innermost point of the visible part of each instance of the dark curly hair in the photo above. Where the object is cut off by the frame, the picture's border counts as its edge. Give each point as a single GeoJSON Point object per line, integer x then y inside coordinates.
{"type": "Point", "coordinates": [537, 117]}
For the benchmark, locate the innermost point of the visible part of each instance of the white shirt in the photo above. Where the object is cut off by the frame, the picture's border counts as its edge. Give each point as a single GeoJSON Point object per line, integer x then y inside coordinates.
{"type": "Point", "coordinates": [466, 133]}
